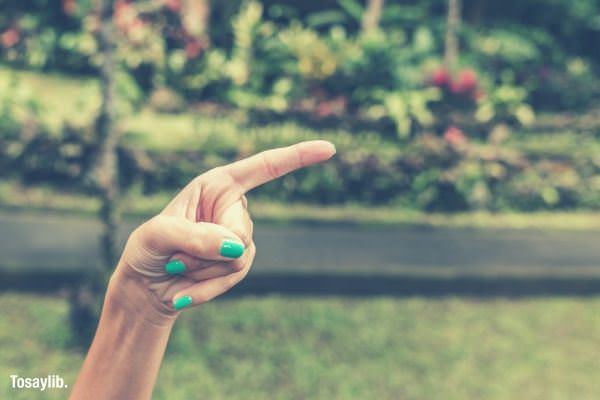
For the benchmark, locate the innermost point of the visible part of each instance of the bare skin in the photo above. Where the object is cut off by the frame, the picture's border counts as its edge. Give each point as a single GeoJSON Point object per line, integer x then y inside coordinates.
{"type": "Point", "coordinates": [138, 312]}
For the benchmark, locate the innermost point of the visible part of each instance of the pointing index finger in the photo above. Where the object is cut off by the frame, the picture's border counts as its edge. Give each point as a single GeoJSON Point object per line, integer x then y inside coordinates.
{"type": "Point", "coordinates": [271, 164]}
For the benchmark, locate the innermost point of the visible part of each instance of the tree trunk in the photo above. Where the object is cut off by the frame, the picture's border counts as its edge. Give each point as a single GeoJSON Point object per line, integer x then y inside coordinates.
{"type": "Point", "coordinates": [372, 15]}
{"type": "Point", "coordinates": [105, 169]}
{"type": "Point", "coordinates": [86, 298]}
{"type": "Point", "coordinates": [452, 29]}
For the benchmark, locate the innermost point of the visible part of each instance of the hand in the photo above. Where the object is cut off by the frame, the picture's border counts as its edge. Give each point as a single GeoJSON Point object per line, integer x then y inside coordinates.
{"type": "Point", "coordinates": [201, 244]}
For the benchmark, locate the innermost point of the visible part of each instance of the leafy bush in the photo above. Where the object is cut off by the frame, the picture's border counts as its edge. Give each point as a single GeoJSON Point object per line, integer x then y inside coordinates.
{"type": "Point", "coordinates": [418, 135]}
{"type": "Point", "coordinates": [274, 61]}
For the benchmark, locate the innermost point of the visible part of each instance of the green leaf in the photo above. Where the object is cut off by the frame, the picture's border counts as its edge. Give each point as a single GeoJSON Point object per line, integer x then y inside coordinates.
{"type": "Point", "coordinates": [324, 18]}
{"type": "Point", "coordinates": [352, 7]}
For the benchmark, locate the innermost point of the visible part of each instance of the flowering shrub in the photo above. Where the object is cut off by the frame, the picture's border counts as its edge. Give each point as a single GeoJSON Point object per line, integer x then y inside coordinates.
{"type": "Point", "coordinates": [375, 77]}
{"type": "Point", "coordinates": [272, 63]}
{"type": "Point", "coordinates": [464, 98]}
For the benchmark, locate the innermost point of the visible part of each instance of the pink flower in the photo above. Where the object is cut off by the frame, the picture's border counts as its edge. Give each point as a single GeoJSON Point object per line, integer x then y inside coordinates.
{"type": "Point", "coordinates": [440, 77]}
{"type": "Point", "coordinates": [454, 136]}
{"type": "Point", "coordinates": [10, 37]}
{"type": "Point", "coordinates": [466, 82]}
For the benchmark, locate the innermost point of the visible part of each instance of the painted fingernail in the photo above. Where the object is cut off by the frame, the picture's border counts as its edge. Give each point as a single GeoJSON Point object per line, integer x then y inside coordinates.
{"type": "Point", "coordinates": [232, 249]}
{"type": "Point", "coordinates": [174, 267]}
{"type": "Point", "coordinates": [182, 302]}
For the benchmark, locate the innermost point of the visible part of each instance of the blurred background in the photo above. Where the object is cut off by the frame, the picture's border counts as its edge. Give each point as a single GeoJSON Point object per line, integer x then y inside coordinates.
{"type": "Point", "coordinates": [447, 251]}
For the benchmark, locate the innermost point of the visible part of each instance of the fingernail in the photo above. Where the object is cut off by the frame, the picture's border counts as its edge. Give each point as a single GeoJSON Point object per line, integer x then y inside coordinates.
{"type": "Point", "coordinates": [174, 267]}
{"type": "Point", "coordinates": [182, 302]}
{"type": "Point", "coordinates": [232, 249]}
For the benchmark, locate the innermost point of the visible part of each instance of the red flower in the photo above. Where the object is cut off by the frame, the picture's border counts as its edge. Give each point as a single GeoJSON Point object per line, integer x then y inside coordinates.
{"type": "Point", "coordinates": [440, 77]}
{"type": "Point", "coordinates": [454, 136]}
{"type": "Point", "coordinates": [467, 81]}
{"type": "Point", "coordinates": [10, 37]}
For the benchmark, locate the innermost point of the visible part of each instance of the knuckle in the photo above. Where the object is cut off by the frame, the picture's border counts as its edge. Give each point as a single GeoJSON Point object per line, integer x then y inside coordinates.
{"type": "Point", "coordinates": [158, 222]}
{"type": "Point", "coordinates": [300, 159]}
{"type": "Point", "coordinates": [199, 179]}
{"type": "Point", "coordinates": [192, 245]}
{"type": "Point", "coordinates": [268, 165]}
{"type": "Point", "coordinates": [251, 226]}
{"type": "Point", "coordinates": [148, 229]}
{"type": "Point", "coordinates": [217, 173]}
{"type": "Point", "coordinates": [245, 238]}
{"type": "Point", "coordinates": [238, 265]}
{"type": "Point", "coordinates": [236, 278]}
{"type": "Point", "coordinates": [199, 231]}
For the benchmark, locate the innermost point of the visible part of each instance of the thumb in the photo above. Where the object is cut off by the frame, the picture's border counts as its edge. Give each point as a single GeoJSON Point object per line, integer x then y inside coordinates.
{"type": "Point", "coordinates": [165, 235]}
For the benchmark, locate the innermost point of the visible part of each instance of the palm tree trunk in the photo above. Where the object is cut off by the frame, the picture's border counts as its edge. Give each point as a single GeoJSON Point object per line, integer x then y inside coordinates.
{"type": "Point", "coordinates": [452, 29]}
{"type": "Point", "coordinates": [372, 15]}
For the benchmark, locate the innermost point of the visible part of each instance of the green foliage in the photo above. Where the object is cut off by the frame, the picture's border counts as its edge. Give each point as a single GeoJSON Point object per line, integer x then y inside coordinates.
{"type": "Point", "coordinates": [505, 102]}
{"type": "Point", "coordinates": [271, 65]}
{"type": "Point", "coordinates": [17, 106]}
{"type": "Point", "coordinates": [405, 108]}
{"type": "Point", "coordinates": [410, 132]}
{"type": "Point", "coordinates": [501, 170]}
{"type": "Point", "coordinates": [528, 57]}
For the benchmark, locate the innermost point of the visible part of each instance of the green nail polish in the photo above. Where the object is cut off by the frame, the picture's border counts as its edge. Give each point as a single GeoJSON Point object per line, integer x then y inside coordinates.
{"type": "Point", "coordinates": [182, 302]}
{"type": "Point", "coordinates": [232, 249]}
{"type": "Point", "coordinates": [174, 267]}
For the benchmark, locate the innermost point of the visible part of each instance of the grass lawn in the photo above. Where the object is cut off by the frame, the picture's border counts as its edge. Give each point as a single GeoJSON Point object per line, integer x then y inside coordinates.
{"type": "Point", "coordinates": [340, 348]}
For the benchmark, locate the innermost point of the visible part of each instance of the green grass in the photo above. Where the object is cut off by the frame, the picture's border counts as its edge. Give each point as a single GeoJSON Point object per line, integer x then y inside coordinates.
{"type": "Point", "coordinates": [339, 348]}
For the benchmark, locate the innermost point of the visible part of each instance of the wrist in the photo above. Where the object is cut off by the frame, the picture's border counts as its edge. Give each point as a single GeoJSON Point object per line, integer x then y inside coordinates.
{"type": "Point", "coordinates": [129, 291]}
{"type": "Point", "coordinates": [129, 344]}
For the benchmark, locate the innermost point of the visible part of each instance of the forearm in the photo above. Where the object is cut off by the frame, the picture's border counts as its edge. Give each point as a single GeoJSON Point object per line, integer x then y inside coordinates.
{"type": "Point", "coordinates": [125, 356]}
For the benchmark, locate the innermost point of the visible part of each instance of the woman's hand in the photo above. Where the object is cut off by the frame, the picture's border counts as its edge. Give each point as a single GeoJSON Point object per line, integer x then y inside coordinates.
{"type": "Point", "coordinates": [201, 244]}
{"type": "Point", "coordinates": [198, 247]}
